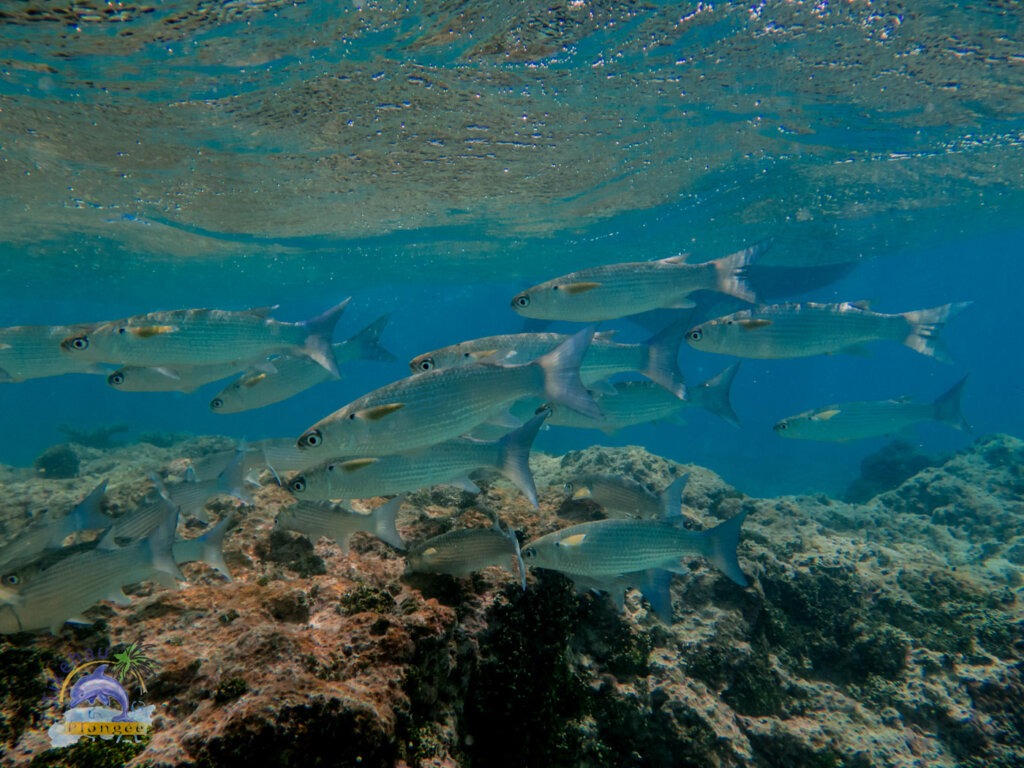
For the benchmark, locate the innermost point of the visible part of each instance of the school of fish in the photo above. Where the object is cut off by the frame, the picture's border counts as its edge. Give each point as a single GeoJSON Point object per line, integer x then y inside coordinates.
{"type": "Point", "coordinates": [475, 405]}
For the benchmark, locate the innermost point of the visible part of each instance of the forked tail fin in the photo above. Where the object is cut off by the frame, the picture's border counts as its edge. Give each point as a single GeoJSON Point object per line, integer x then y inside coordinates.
{"type": "Point", "coordinates": [925, 325]}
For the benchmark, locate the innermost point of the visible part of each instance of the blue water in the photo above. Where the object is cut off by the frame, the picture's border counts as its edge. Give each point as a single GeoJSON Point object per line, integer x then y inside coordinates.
{"type": "Point", "coordinates": [296, 155]}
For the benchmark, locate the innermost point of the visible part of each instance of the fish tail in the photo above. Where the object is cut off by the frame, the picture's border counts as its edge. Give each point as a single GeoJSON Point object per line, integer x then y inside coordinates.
{"type": "Point", "coordinates": [663, 357]}
{"type": "Point", "coordinates": [730, 272]}
{"type": "Point", "coordinates": [561, 368]}
{"type": "Point", "coordinates": [520, 565]}
{"type": "Point", "coordinates": [722, 541]}
{"type": "Point", "coordinates": [384, 522]}
{"type": "Point", "coordinates": [514, 456]}
{"type": "Point", "coordinates": [655, 588]}
{"type": "Point", "coordinates": [87, 515]}
{"type": "Point", "coordinates": [160, 547]}
{"type": "Point", "coordinates": [318, 340]}
{"type": "Point", "coordinates": [925, 325]}
{"type": "Point", "coordinates": [232, 479]}
{"type": "Point", "coordinates": [367, 341]}
{"type": "Point", "coordinates": [715, 395]}
{"type": "Point", "coordinates": [947, 407]}
{"type": "Point", "coordinates": [672, 497]}
{"type": "Point", "coordinates": [208, 548]}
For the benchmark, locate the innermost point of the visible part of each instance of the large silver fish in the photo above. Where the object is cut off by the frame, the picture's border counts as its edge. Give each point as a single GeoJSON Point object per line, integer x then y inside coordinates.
{"type": "Point", "coordinates": [316, 519]}
{"type": "Point", "coordinates": [363, 478]}
{"type": "Point", "coordinates": [463, 552]}
{"type": "Point", "coordinates": [656, 358]}
{"type": "Point", "coordinates": [618, 290]}
{"type": "Point", "coordinates": [288, 375]}
{"type": "Point", "coordinates": [801, 330]}
{"type": "Point", "coordinates": [624, 497]}
{"type": "Point", "coordinates": [202, 337]}
{"type": "Point", "coordinates": [435, 406]}
{"type": "Point", "coordinates": [33, 351]}
{"type": "Point", "coordinates": [608, 549]}
{"type": "Point", "coordinates": [49, 597]}
{"type": "Point", "coordinates": [873, 418]}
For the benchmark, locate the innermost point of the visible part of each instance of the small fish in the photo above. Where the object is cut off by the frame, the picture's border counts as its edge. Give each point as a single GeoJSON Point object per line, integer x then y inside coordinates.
{"type": "Point", "coordinates": [33, 351]}
{"type": "Point", "coordinates": [624, 497]}
{"type": "Point", "coordinates": [182, 378]}
{"type": "Point", "coordinates": [801, 330]}
{"type": "Point", "coordinates": [618, 290]}
{"type": "Point", "coordinates": [362, 478]}
{"type": "Point", "coordinates": [861, 420]}
{"type": "Point", "coordinates": [289, 375]}
{"type": "Point", "coordinates": [463, 552]}
{"type": "Point", "coordinates": [656, 358]}
{"type": "Point", "coordinates": [47, 598]}
{"type": "Point", "coordinates": [608, 549]}
{"type": "Point", "coordinates": [334, 522]}
{"type": "Point", "coordinates": [435, 406]}
{"type": "Point", "coordinates": [203, 337]}
{"type": "Point", "coordinates": [98, 687]}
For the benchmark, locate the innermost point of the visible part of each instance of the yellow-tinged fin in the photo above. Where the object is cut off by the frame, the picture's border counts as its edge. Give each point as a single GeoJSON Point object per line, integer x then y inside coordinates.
{"type": "Point", "coordinates": [581, 493]}
{"type": "Point", "coordinates": [573, 541]}
{"type": "Point", "coordinates": [145, 331]}
{"type": "Point", "coordinates": [481, 354]}
{"type": "Point", "coordinates": [252, 381]}
{"type": "Point", "coordinates": [574, 288]}
{"type": "Point", "coordinates": [753, 323]}
{"type": "Point", "coordinates": [826, 415]}
{"type": "Point", "coordinates": [380, 411]}
{"type": "Point", "coordinates": [429, 552]}
{"type": "Point", "coordinates": [357, 464]}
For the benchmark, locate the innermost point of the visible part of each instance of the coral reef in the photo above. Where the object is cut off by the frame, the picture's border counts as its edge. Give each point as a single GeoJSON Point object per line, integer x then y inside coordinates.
{"type": "Point", "coordinates": [888, 633]}
{"type": "Point", "coordinates": [58, 462]}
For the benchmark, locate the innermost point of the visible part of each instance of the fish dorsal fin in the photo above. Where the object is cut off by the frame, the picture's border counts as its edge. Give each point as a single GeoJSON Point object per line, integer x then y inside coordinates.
{"type": "Point", "coordinates": [379, 411]}
{"type": "Point", "coordinates": [354, 465]}
{"type": "Point", "coordinates": [146, 331]}
{"type": "Point", "coordinates": [263, 311]}
{"type": "Point", "coordinates": [574, 288]}
{"type": "Point", "coordinates": [604, 336]}
{"type": "Point", "coordinates": [679, 258]}
{"type": "Point", "coordinates": [826, 415]}
{"type": "Point", "coordinates": [864, 304]}
{"type": "Point", "coordinates": [753, 323]}
{"type": "Point", "coordinates": [573, 541]}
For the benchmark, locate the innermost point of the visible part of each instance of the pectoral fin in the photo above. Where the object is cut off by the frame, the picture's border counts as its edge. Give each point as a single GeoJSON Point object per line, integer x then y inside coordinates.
{"type": "Point", "coordinates": [380, 411]}
{"type": "Point", "coordinates": [753, 323]}
{"type": "Point", "coordinates": [356, 464]}
{"type": "Point", "coordinates": [574, 288]}
{"type": "Point", "coordinates": [826, 415]}
{"type": "Point", "coordinates": [573, 541]}
{"type": "Point", "coordinates": [145, 331]}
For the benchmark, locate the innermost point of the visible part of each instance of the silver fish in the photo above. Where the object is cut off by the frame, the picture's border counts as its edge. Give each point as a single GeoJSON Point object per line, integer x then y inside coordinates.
{"type": "Point", "coordinates": [334, 522]}
{"type": "Point", "coordinates": [624, 497]}
{"type": "Point", "coordinates": [182, 378]}
{"type": "Point", "coordinates": [362, 478]}
{"type": "Point", "coordinates": [204, 336]}
{"type": "Point", "coordinates": [288, 375]}
{"type": "Point", "coordinates": [435, 406]}
{"type": "Point", "coordinates": [608, 549]}
{"type": "Point", "coordinates": [656, 358]}
{"type": "Point", "coordinates": [618, 290]}
{"type": "Point", "coordinates": [59, 593]}
{"type": "Point", "coordinates": [864, 419]}
{"type": "Point", "coordinates": [801, 330]}
{"type": "Point", "coordinates": [33, 351]}
{"type": "Point", "coordinates": [463, 552]}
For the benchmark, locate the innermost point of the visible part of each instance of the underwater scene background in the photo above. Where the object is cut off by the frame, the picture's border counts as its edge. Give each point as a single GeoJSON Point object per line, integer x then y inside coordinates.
{"type": "Point", "coordinates": [432, 160]}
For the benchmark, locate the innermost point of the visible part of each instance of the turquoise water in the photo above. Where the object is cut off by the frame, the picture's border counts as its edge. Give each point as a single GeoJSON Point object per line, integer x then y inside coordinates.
{"type": "Point", "coordinates": [430, 160]}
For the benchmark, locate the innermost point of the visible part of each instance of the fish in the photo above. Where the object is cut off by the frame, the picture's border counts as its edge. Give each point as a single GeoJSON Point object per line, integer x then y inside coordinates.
{"type": "Point", "coordinates": [873, 418]}
{"type": "Point", "coordinates": [429, 408]}
{"type": "Point", "coordinates": [316, 519]}
{"type": "Point", "coordinates": [619, 290]}
{"type": "Point", "coordinates": [288, 375]}
{"type": "Point", "coordinates": [361, 478]}
{"type": "Point", "coordinates": [802, 330]}
{"type": "Point", "coordinates": [47, 598]}
{"type": "Point", "coordinates": [33, 352]}
{"type": "Point", "coordinates": [656, 358]}
{"type": "Point", "coordinates": [608, 549]}
{"type": "Point", "coordinates": [98, 687]}
{"type": "Point", "coordinates": [624, 497]}
{"type": "Point", "coordinates": [87, 515]}
{"type": "Point", "coordinates": [203, 337]}
{"type": "Point", "coordinates": [465, 551]}
{"type": "Point", "coordinates": [207, 548]}
{"type": "Point", "coordinates": [182, 378]}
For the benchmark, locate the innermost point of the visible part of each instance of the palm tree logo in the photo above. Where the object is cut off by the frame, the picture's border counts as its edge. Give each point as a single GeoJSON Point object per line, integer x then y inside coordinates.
{"type": "Point", "coordinates": [133, 662]}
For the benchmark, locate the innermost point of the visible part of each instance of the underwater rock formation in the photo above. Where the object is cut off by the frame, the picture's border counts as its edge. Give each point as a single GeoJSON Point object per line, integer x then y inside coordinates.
{"type": "Point", "coordinates": [879, 634]}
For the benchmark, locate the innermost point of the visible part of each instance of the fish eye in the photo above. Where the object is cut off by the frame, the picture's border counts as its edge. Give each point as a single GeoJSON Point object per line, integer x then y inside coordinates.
{"type": "Point", "coordinates": [122, 330]}
{"type": "Point", "coordinates": [529, 553]}
{"type": "Point", "coordinates": [426, 364]}
{"type": "Point", "coordinates": [567, 489]}
{"type": "Point", "coordinates": [695, 335]}
{"type": "Point", "coordinates": [76, 342]}
{"type": "Point", "coordinates": [12, 579]}
{"type": "Point", "coordinates": [311, 439]}
{"type": "Point", "coordinates": [330, 467]}
{"type": "Point", "coordinates": [298, 485]}
{"type": "Point", "coordinates": [781, 426]}
{"type": "Point", "coordinates": [216, 403]}
{"type": "Point", "coordinates": [521, 301]}
{"type": "Point", "coordinates": [115, 379]}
